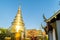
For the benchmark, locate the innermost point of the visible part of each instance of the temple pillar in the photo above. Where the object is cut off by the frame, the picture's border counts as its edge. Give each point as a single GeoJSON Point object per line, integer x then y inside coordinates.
{"type": "Point", "coordinates": [54, 35]}
{"type": "Point", "coordinates": [50, 35]}
{"type": "Point", "coordinates": [58, 29]}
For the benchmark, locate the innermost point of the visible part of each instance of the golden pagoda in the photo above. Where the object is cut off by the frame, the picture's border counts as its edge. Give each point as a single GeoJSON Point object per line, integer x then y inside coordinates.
{"type": "Point", "coordinates": [17, 24]}
{"type": "Point", "coordinates": [17, 27]}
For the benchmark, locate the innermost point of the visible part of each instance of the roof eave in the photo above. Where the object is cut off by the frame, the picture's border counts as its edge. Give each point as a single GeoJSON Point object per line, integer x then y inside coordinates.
{"type": "Point", "coordinates": [54, 16]}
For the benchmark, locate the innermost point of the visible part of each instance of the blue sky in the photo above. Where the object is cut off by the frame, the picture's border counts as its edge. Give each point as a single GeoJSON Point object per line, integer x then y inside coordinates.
{"type": "Point", "coordinates": [32, 11]}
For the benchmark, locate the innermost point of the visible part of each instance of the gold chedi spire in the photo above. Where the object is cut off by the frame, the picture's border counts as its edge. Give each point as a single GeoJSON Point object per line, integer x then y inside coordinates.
{"type": "Point", "coordinates": [17, 24]}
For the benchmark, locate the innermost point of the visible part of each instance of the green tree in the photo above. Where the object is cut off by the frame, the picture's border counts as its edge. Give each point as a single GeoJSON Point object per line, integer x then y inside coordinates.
{"type": "Point", "coordinates": [2, 33]}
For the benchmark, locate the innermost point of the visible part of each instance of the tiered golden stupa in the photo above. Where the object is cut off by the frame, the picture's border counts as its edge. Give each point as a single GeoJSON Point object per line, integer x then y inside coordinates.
{"type": "Point", "coordinates": [17, 26]}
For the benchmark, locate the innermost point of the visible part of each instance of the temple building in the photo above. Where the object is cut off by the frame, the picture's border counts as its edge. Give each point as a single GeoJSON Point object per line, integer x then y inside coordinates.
{"type": "Point", "coordinates": [17, 27]}
{"type": "Point", "coordinates": [17, 30]}
{"type": "Point", "coordinates": [34, 34]}
{"type": "Point", "coordinates": [53, 26]}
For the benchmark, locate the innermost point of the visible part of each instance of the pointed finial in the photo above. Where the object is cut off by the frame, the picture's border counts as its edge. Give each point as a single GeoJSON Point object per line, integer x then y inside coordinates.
{"type": "Point", "coordinates": [19, 8]}
{"type": "Point", "coordinates": [59, 3]}
{"type": "Point", "coordinates": [19, 4]}
{"type": "Point", "coordinates": [44, 17]}
{"type": "Point", "coordinates": [42, 26]}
